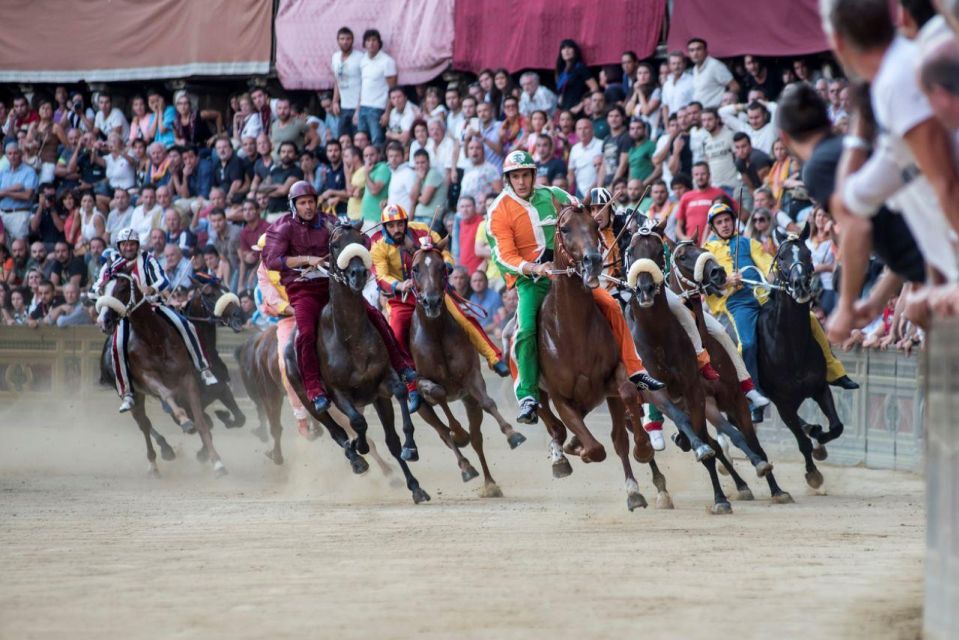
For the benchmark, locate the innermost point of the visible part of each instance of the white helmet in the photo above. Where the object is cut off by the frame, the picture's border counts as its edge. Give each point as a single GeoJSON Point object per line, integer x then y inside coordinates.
{"type": "Point", "coordinates": [127, 235]}
{"type": "Point", "coordinates": [599, 196]}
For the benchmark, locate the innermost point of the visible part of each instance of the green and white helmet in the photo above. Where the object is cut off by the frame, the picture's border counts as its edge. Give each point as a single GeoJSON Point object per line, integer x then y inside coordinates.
{"type": "Point", "coordinates": [517, 160]}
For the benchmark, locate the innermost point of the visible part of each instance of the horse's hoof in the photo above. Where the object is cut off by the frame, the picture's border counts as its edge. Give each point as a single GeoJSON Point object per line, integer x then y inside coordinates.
{"type": "Point", "coordinates": [664, 501]}
{"type": "Point", "coordinates": [410, 454]}
{"type": "Point", "coordinates": [167, 453]}
{"type": "Point", "coordinates": [460, 438]}
{"type": "Point", "coordinates": [745, 495]}
{"type": "Point", "coordinates": [515, 439]}
{"type": "Point", "coordinates": [203, 455]}
{"type": "Point", "coordinates": [782, 498]}
{"type": "Point", "coordinates": [153, 472]}
{"type": "Point", "coordinates": [814, 479]}
{"type": "Point", "coordinates": [721, 509]}
{"type": "Point", "coordinates": [361, 446]}
{"type": "Point", "coordinates": [635, 501]}
{"type": "Point", "coordinates": [763, 468]}
{"type": "Point", "coordinates": [562, 468]}
{"type": "Point", "coordinates": [681, 441]}
{"type": "Point", "coordinates": [275, 456]}
{"type": "Point", "coordinates": [261, 433]}
{"type": "Point", "coordinates": [643, 455]}
{"type": "Point", "coordinates": [219, 469]}
{"type": "Point", "coordinates": [704, 452]}
{"type": "Point", "coordinates": [596, 454]}
{"type": "Point", "coordinates": [469, 473]}
{"type": "Point", "coordinates": [574, 447]}
{"type": "Point", "coordinates": [188, 426]}
{"type": "Point", "coordinates": [819, 453]}
{"type": "Point", "coordinates": [420, 496]}
{"type": "Point", "coordinates": [359, 466]}
{"type": "Point", "coordinates": [491, 490]}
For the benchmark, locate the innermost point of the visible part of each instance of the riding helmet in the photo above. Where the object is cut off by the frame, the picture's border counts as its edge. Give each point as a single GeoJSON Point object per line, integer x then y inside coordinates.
{"type": "Point", "coordinates": [127, 235]}
{"type": "Point", "coordinates": [719, 209]}
{"type": "Point", "coordinates": [393, 213]}
{"type": "Point", "coordinates": [298, 190]}
{"type": "Point", "coordinates": [517, 160]}
{"type": "Point", "coordinates": [599, 196]}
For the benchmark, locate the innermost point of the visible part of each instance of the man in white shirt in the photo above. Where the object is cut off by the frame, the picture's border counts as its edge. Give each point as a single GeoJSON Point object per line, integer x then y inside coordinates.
{"type": "Point", "coordinates": [402, 116]}
{"type": "Point", "coordinates": [717, 151]}
{"type": "Point", "coordinates": [147, 215]}
{"type": "Point", "coordinates": [455, 118]}
{"type": "Point", "coordinates": [402, 178]}
{"type": "Point", "coordinates": [121, 215]}
{"type": "Point", "coordinates": [480, 178]}
{"type": "Point", "coordinates": [678, 88]}
{"type": "Point", "coordinates": [710, 76]}
{"type": "Point", "coordinates": [586, 159]}
{"type": "Point", "coordinates": [109, 119]}
{"type": "Point", "coordinates": [378, 76]}
{"type": "Point", "coordinates": [347, 76]}
{"type": "Point", "coordinates": [759, 125]}
{"type": "Point", "coordinates": [535, 97]}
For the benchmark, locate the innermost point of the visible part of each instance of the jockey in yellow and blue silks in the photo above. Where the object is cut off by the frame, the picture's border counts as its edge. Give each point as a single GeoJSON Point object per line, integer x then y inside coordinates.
{"type": "Point", "coordinates": [737, 253]}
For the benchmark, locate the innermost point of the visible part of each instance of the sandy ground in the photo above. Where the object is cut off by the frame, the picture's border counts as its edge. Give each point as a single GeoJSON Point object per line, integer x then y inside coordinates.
{"type": "Point", "coordinates": [92, 548]}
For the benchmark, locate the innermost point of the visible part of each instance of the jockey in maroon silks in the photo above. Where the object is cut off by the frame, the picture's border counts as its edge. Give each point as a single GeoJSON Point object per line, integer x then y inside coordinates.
{"type": "Point", "coordinates": [302, 239]}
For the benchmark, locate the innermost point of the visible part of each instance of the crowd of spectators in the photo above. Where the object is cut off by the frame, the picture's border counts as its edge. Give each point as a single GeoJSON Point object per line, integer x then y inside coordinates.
{"type": "Point", "coordinates": [666, 136]}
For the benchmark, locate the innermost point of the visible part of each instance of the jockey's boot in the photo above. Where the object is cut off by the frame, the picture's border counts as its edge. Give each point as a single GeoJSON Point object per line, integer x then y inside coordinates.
{"type": "Point", "coordinates": [126, 403]}
{"type": "Point", "coordinates": [646, 382]}
{"type": "Point", "coordinates": [321, 404]}
{"type": "Point", "coordinates": [501, 369]}
{"type": "Point", "coordinates": [208, 378]}
{"type": "Point", "coordinates": [654, 429]}
{"type": "Point", "coordinates": [413, 397]}
{"type": "Point", "coordinates": [756, 399]}
{"type": "Point", "coordinates": [708, 372]}
{"type": "Point", "coordinates": [845, 382]}
{"type": "Point", "coordinates": [527, 411]}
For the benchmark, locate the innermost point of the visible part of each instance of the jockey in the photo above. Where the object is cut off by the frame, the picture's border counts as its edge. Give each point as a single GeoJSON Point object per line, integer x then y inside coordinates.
{"type": "Point", "coordinates": [302, 239]}
{"type": "Point", "coordinates": [521, 226]}
{"type": "Point", "coordinates": [741, 306]}
{"type": "Point", "coordinates": [392, 254]}
{"type": "Point", "coordinates": [151, 280]}
{"type": "Point", "coordinates": [273, 302]}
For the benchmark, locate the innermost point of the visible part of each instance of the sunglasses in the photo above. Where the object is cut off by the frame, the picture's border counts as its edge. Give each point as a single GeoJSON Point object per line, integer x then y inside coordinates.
{"type": "Point", "coordinates": [762, 219]}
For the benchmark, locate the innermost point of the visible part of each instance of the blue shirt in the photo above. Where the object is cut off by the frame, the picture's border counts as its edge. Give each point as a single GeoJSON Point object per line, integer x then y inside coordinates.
{"type": "Point", "coordinates": [22, 175]}
{"type": "Point", "coordinates": [169, 117]}
{"type": "Point", "coordinates": [490, 301]}
{"type": "Point", "coordinates": [492, 132]}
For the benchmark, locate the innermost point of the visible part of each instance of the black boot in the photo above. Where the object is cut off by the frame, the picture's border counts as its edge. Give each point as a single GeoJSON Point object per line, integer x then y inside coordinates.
{"type": "Point", "coordinates": [845, 382]}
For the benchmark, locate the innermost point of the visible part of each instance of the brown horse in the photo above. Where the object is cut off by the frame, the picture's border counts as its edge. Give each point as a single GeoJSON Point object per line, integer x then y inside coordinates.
{"type": "Point", "coordinates": [354, 363]}
{"type": "Point", "coordinates": [668, 352]}
{"type": "Point", "coordinates": [694, 273]}
{"type": "Point", "coordinates": [449, 369]}
{"type": "Point", "coordinates": [580, 360]}
{"type": "Point", "coordinates": [159, 363]}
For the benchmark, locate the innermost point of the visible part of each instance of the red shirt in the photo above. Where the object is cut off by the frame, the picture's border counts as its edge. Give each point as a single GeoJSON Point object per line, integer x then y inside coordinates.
{"type": "Point", "coordinates": [250, 235]}
{"type": "Point", "coordinates": [693, 210]}
{"type": "Point", "coordinates": [293, 236]}
{"type": "Point", "coordinates": [467, 244]}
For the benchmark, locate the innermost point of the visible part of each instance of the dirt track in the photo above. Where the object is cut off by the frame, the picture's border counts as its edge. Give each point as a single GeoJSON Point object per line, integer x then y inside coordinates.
{"type": "Point", "coordinates": [91, 547]}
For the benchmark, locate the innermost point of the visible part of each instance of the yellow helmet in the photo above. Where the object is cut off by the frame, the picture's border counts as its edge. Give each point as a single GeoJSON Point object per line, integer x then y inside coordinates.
{"type": "Point", "coordinates": [393, 213]}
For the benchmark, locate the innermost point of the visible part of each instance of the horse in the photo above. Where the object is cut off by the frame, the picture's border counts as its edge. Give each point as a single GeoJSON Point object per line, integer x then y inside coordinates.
{"type": "Point", "coordinates": [159, 364]}
{"type": "Point", "coordinates": [791, 363]}
{"type": "Point", "coordinates": [580, 360]}
{"type": "Point", "coordinates": [694, 272]}
{"type": "Point", "coordinates": [668, 353]}
{"type": "Point", "coordinates": [354, 363]}
{"type": "Point", "coordinates": [449, 368]}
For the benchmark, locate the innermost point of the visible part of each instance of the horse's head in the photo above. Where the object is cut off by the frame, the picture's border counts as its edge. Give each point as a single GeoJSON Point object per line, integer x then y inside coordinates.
{"type": "Point", "coordinates": [117, 300]}
{"type": "Point", "coordinates": [430, 274]}
{"type": "Point", "coordinates": [697, 268]}
{"type": "Point", "coordinates": [647, 259]}
{"type": "Point", "coordinates": [577, 243]}
{"type": "Point", "coordinates": [350, 260]}
{"type": "Point", "coordinates": [211, 300]}
{"type": "Point", "coordinates": [793, 267]}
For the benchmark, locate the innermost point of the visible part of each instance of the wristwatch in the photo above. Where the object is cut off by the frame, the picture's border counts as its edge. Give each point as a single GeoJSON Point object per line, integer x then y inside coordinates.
{"type": "Point", "coordinates": [856, 142]}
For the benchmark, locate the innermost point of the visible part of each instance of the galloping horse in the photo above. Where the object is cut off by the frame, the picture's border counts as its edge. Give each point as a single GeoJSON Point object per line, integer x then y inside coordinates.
{"type": "Point", "coordinates": [580, 360]}
{"type": "Point", "coordinates": [694, 273]}
{"type": "Point", "coordinates": [354, 363]}
{"type": "Point", "coordinates": [448, 367]}
{"type": "Point", "coordinates": [159, 363]}
{"type": "Point", "coordinates": [792, 367]}
{"type": "Point", "coordinates": [668, 352]}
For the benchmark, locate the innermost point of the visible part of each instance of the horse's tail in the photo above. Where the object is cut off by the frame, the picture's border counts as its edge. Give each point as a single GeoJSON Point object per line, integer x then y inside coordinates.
{"type": "Point", "coordinates": [107, 376]}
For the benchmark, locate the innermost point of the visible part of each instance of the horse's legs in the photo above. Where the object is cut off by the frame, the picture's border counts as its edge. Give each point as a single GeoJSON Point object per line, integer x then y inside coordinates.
{"type": "Point", "coordinates": [726, 428]}
{"type": "Point", "coordinates": [261, 431]}
{"type": "Point", "coordinates": [744, 423]}
{"type": "Point", "coordinates": [202, 426]}
{"type": "Point", "coordinates": [409, 452]}
{"type": "Point", "coordinates": [140, 415]}
{"type": "Point", "coordinates": [593, 451]}
{"type": "Point", "coordinates": [273, 407]}
{"type": "Point", "coordinates": [357, 422]}
{"type": "Point", "coordinates": [825, 401]}
{"type": "Point", "coordinates": [340, 437]}
{"type": "Point", "coordinates": [477, 389]}
{"type": "Point", "coordinates": [617, 412]}
{"type": "Point", "coordinates": [459, 435]}
{"type": "Point", "coordinates": [696, 405]}
{"type": "Point", "coordinates": [384, 409]}
{"type": "Point", "coordinates": [466, 469]}
{"type": "Point", "coordinates": [660, 399]}
{"type": "Point", "coordinates": [166, 451]}
{"type": "Point", "coordinates": [557, 434]}
{"type": "Point", "coordinates": [790, 416]}
{"type": "Point", "coordinates": [474, 413]}
{"type": "Point", "coordinates": [235, 418]}
{"type": "Point", "coordinates": [663, 499]}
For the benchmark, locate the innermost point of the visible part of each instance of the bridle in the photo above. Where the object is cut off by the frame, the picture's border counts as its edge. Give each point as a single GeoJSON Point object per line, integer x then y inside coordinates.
{"type": "Point", "coordinates": [208, 307]}
{"type": "Point", "coordinates": [577, 268]}
{"type": "Point", "coordinates": [336, 274]}
{"type": "Point", "coordinates": [132, 303]}
{"type": "Point", "coordinates": [447, 289]}
{"type": "Point", "coordinates": [787, 274]}
{"type": "Point", "coordinates": [647, 232]}
{"type": "Point", "coordinates": [688, 287]}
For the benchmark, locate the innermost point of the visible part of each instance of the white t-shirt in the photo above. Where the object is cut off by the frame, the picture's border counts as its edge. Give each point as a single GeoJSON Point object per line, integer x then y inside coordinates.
{"type": "Point", "coordinates": [111, 122]}
{"type": "Point", "coordinates": [717, 150]}
{"type": "Point", "coordinates": [454, 124]}
{"type": "Point", "coordinates": [581, 162]}
{"type": "Point", "coordinates": [120, 174]}
{"type": "Point", "coordinates": [401, 184]}
{"type": "Point", "coordinates": [441, 155]}
{"type": "Point", "coordinates": [709, 82]}
{"type": "Point", "coordinates": [762, 138]}
{"type": "Point", "coordinates": [403, 120]}
{"type": "Point", "coordinates": [374, 71]}
{"type": "Point", "coordinates": [252, 127]}
{"type": "Point", "coordinates": [478, 181]}
{"type": "Point", "coordinates": [661, 143]}
{"type": "Point", "coordinates": [143, 222]}
{"type": "Point", "coordinates": [678, 93]}
{"type": "Point", "coordinates": [899, 106]}
{"type": "Point", "coordinates": [348, 76]}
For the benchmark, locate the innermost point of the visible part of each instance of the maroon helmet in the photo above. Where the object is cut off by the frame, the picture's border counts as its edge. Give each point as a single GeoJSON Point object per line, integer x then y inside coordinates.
{"type": "Point", "coordinates": [298, 190]}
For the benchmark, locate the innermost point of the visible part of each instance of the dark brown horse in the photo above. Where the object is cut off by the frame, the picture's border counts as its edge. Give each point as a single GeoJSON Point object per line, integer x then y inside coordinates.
{"type": "Point", "coordinates": [694, 273]}
{"type": "Point", "coordinates": [449, 369]}
{"type": "Point", "coordinates": [159, 364]}
{"type": "Point", "coordinates": [669, 355]}
{"type": "Point", "coordinates": [353, 361]}
{"type": "Point", "coordinates": [580, 360]}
